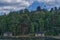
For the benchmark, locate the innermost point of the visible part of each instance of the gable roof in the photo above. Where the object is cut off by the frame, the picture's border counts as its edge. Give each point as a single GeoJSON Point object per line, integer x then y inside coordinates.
{"type": "Point", "coordinates": [39, 32]}
{"type": "Point", "coordinates": [7, 32]}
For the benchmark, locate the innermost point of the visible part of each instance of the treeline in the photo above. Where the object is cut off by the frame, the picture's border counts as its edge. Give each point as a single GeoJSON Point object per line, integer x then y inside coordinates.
{"type": "Point", "coordinates": [26, 22]}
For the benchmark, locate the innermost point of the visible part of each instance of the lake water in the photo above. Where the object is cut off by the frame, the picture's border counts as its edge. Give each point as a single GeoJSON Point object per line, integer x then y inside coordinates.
{"type": "Point", "coordinates": [29, 39]}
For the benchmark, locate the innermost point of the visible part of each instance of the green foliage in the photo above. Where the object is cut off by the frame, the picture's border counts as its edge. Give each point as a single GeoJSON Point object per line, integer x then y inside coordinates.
{"type": "Point", "coordinates": [36, 21]}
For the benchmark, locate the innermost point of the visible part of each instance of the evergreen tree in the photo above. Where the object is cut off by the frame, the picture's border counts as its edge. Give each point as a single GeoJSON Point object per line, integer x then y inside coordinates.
{"type": "Point", "coordinates": [38, 8]}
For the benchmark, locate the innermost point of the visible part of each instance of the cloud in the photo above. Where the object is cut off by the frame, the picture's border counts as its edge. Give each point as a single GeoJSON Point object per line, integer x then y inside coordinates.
{"type": "Point", "coordinates": [13, 5]}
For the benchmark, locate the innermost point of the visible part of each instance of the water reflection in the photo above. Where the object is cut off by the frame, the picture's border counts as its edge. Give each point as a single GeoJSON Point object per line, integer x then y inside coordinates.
{"type": "Point", "coordinates": [28, 39]}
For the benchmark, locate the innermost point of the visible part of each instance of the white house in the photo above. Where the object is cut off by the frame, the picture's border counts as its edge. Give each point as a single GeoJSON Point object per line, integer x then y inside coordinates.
{"type": "Point", "coordinates": [9, 34]}
{"type": "Point", "coordinates": [39, 34]}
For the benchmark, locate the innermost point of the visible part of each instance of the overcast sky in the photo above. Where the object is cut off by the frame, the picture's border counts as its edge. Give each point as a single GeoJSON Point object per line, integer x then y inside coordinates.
{"type": "Point", "coordinates": [10, 5]}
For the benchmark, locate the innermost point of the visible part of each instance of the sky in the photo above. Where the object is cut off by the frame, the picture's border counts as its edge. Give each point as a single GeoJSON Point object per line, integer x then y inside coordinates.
{"type": "Point", "coordinates": [14, 5]}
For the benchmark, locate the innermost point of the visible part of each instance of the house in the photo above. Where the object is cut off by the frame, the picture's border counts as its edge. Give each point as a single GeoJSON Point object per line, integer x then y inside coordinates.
{"type": "Point", "coordinates": [9, 34]}
{"type": "Point", "coordinates": [39, 34]}
{"type": "Point", "coordinates": [58, 34]}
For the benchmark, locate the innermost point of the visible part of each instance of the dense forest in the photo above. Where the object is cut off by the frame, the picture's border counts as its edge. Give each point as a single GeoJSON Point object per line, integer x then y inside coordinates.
{"type": "Point", "coordinates": [26, 22]}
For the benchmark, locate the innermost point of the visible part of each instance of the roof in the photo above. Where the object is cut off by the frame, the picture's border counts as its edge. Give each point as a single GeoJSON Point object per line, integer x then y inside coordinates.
{"type": "Point", "coordinates": [39, 32]}
{"type": "Point", "coordinates": [8, 32]}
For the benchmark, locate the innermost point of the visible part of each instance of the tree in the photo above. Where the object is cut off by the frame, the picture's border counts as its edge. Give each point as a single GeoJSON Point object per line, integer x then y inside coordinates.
{"type": "Point", "coordinates": [38, 8]}
{"type": "Point", "coordinates": [26, 10]}
{"type": "Point", "coordinates": [55, 8]}
{"type": "Point", "coordinates": [51, 10]}
{"type": "Point", "coordinates": [21, 11]}
{"type": "Point", "coordinates": [32, 28]}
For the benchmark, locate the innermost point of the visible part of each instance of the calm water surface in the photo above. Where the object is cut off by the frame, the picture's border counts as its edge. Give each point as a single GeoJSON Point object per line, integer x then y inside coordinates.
{"type": "Point", "coordinates": [29, 39]}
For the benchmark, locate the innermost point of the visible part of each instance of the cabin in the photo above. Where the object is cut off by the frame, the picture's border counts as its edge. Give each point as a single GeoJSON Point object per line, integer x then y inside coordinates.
{"type": "Point", "coordinates": [9, 34]}
{"type": "Point", "coordinates": [39, 34]}
{"type": "Point", "coordinates": [58, 34]}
